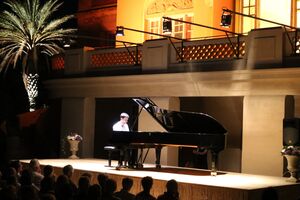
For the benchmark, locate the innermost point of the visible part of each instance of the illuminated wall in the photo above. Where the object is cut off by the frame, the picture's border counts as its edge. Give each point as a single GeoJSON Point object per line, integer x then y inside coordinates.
{"type": "Point", "coordinates": [133, 14]}
{"type": "Point", "coordinates": [97, 18]}
{"type": "Point", "coordinates": [275, 10]}
{"type": "Point", "coordinates": [100, 17]}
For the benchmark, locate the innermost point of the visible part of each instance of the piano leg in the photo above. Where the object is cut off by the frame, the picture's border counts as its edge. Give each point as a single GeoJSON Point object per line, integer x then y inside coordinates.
{"type": "Point", "coordinates": [214, 163]}
{"type": "Point", "coordinates": [121, 157]}
{"type": "Point", "coordinates": [109, 158]}
{"type": "Point", "coordinates": [157, 153]}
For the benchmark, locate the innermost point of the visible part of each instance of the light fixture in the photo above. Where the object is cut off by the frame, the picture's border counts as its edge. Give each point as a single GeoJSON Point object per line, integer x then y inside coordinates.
{"type": "Point", "coordinates": [67, 43]}
{"type": "Point", "coordinates": [167, 26]}
{"type": "Point", "coordinates": [226, 19]}
{"type": "Point", "coordinates": [120, 31]}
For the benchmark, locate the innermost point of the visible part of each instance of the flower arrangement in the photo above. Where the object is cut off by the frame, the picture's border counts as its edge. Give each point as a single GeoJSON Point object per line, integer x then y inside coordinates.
{"type": "Point", "coordinates": [291, 150]}
{"type": "Point", "coordinates": [74, 136]}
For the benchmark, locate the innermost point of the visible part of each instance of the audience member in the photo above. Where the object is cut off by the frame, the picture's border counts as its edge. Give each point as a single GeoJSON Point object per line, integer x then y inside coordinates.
{"type": "Point", "coordinates": [28, 190]}
{"type": "Point", "coordinates": [48, 171]}
{"type": "Point", "coordinates": [147, 183]}
{"type": "Point", "coordinates": [35, 168]}
{"type": "Point", "coordinates": [63, 188]}
{"type": "Point", "coordinates": [12, 180]}
{"type": "Point", "coordinates": [68, 171]}
{"type": "Point", "coordinates": [17, 165]}
{"type": "Point", "coordinates": [83, 188]}
{"type": "Point", "coordinates": [124, 193]}
{"type": "Point", "coordinates": [47, 186]}
{"type": "Point", "coordinates": [102, 178]}
{"type": "Point", "coordinates": [10, 171]}
{"type": "Point", "coordinates": [86, 174]}
{"type": "Point", "coordinates": [110, 188]}
{"type": "Point", "coordinates": [95, 192]}
{"type": "Point", "coordinates": [172, 191]}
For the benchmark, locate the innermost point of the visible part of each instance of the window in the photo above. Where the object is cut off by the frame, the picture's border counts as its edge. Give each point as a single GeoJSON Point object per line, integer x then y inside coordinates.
{"type": "Point", "coordinates": [179, 29]}
{"type": "Point", "coordinates": [249, 8]}
{"type": "Point", "coordinates": [154, 28]}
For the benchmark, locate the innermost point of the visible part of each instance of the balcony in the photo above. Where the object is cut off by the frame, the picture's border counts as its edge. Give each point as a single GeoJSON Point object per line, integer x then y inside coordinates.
{"type": "Point", "coordinates": [261, 48]}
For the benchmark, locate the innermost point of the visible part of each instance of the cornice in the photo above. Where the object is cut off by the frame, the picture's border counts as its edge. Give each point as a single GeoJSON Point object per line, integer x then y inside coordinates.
{"type": "Point", "coordinates": [283, 81]}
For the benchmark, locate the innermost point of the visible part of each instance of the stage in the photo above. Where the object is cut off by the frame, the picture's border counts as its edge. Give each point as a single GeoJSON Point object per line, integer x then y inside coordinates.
{"type": "Point", "coordinates": [194, 184]}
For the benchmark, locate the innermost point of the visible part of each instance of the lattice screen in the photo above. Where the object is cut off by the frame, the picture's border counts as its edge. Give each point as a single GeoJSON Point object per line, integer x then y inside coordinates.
{"type": "Point", "coordinates": [113, 58]}
{"type": "Point", "coordinates": [211, 51]}
{"type": "Point", "coordinates": [58, 62]}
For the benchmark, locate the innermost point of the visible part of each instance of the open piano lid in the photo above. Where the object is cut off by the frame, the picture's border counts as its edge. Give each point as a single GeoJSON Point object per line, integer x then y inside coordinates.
{"type": "Point", "coordinates": [179, 121]}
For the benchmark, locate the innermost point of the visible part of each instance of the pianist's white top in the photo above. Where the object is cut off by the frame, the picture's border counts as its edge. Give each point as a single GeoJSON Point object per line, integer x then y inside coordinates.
{"type": "Point", "coordinates": [120, 127]}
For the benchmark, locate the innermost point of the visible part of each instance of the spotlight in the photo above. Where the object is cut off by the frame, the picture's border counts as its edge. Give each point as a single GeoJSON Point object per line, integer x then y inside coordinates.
{"type": "Point", "coordinates": [67, 42]}
{"type": "Point", "coordinates": [120, 31]}
{"type": "Point", "coordinates": [167, 26]}
{"type": "Point", "coordinates": [226, 20]}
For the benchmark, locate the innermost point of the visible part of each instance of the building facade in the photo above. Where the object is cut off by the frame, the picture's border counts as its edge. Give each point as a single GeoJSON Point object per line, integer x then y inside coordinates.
{"type": "Point", "coordinates": [248, 82]}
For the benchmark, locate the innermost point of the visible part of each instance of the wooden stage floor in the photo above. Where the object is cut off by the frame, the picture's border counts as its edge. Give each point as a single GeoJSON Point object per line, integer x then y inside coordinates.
{"type": "Point", "coordinates": [194, 184]}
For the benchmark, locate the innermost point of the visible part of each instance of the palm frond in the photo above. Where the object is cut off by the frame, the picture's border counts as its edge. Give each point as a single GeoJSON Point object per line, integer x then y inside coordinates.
{"type": "Point", "coordinates": [27, 26]}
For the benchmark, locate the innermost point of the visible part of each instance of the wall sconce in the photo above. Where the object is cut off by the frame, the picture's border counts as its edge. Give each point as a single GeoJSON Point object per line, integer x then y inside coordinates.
{"type": "Point", "coordinates": [226, 19]}
{"type": "Point", "coordinates": [120, 31]}
{"type": "Point", "coordinates": [167, 26]}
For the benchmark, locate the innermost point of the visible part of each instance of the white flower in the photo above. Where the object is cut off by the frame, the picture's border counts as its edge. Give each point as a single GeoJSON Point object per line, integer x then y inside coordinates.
{"type": "Point", "coordinates": [74, 136]}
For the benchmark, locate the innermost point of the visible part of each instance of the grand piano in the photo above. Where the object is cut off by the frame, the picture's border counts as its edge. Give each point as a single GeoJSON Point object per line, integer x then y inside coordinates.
{"type": "Point", "coordinates": [183, 129]}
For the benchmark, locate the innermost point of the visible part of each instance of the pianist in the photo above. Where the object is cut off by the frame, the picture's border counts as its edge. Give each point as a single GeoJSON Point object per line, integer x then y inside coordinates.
{"type": "Point", "coordinates": [122, 124]}
{"type": "Point", "coordinates": [128, 155]}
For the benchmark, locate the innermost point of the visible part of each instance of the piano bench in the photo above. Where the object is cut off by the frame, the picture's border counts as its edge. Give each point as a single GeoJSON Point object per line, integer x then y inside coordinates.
{"type": "Point", "coordinates": [110, 149]}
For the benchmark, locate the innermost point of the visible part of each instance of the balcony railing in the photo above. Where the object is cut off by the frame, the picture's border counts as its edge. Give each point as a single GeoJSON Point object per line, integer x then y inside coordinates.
{"type": "Point", "coordinates": [114, 57]}
{"type": "Point", "coordinates": [212, 49]}
{"type": "Point", "coordinates": [261, 46]}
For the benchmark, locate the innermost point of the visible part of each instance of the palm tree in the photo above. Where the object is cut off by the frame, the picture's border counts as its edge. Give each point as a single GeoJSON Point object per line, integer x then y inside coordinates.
{"type": "Point", "coordinates": [28, 29]}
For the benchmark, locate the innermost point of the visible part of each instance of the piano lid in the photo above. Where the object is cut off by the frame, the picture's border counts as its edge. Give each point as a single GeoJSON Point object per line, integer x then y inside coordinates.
{"type": "Point", "coordinates": [178, 121]}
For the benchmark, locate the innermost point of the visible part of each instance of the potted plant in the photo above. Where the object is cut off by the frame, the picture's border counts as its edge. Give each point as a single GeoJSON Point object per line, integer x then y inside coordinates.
{"type": "Point", "coordinates": [292, 155]}
{"type": "Point", "coordinates": [74, 139]}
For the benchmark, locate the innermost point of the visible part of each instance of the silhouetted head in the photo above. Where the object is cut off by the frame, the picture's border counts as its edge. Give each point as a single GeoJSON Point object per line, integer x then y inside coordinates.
{"type": "Point", "coordinates": [34, 165]}
{"type": "Point", "coordinates": [172, 186]}
{"type": "Point", "coordinates": [17, 165]}
{"type": "Point", "coordinates": [95, 192]}
{"type": "Point", "coordinates": [147, 183]}
{"type": "Point", "coordinates": [102, 178]}
{"type": "Point", "coordinates": [127, 183]}
{"type": "Point", "coordinates": [48, 171]}
{"type": "Point", "coordinates": [83, 183]}
{"type": "Point", "coordinates": [111, 186]}
{"type": "Point", "coordinates": [68, 170]}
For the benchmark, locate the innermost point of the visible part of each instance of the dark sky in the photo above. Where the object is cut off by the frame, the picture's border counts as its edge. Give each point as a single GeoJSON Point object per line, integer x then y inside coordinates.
{"type": "Point", "coordinates": [68, 7]}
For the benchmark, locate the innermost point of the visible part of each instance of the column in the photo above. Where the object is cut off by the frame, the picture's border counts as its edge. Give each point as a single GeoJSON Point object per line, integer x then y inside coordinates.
{"type": "Point", "coordinates": [262, 134]}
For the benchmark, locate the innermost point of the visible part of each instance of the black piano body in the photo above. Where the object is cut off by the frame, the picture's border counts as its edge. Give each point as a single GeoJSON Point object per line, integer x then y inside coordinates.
{"type": "Point", "coordinates": [184, 129]}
